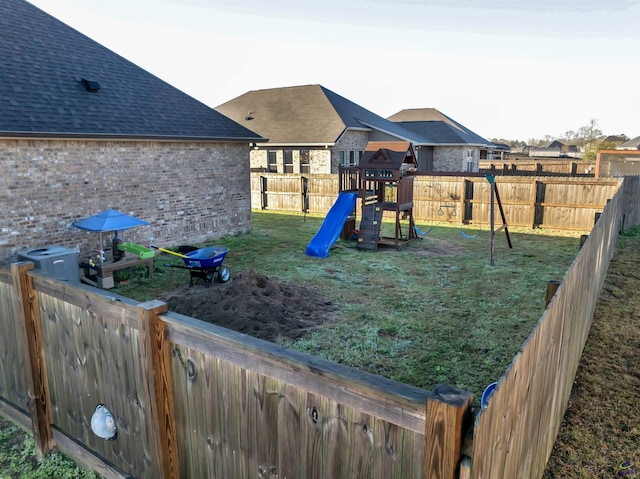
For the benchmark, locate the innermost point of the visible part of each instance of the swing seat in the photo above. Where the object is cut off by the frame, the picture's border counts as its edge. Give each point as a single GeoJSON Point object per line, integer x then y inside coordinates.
{"type": "Point", "coordinates": [422, 233]}
{"type": "Point", "coordinates": [470, 236]}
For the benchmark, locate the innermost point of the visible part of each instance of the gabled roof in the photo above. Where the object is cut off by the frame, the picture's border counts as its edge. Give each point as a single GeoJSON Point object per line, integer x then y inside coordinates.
{"type": "Point", "coordinates": [438, 127]}
{"type": "Point", "coordinates": [388, 154]}
{"type": "Point", "coordinates": [381, 159]}
{"type": "Point", "coordinates": [632, 144]}
{"type": "Point", "coordinates": [57, 82]}
{"type": "Point", "coordinates": [306, 115]}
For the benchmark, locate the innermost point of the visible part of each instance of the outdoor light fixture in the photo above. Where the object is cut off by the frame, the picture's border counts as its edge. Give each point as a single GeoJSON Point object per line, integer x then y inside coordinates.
{"type": "Point", "coordinates": [103, 424]}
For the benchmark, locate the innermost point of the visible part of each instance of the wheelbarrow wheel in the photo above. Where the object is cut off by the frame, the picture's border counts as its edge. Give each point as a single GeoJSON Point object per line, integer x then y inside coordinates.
{"type": "Point", "coordinates": [224, 273]}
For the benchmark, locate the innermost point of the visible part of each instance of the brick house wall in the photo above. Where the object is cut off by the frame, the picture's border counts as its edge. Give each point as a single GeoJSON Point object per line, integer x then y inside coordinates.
{"type": "Point", "coordinates": [455, 158]}
{"type": "Point", "coordinates": [319, 159]}
{"type": "Point", "coordinates": [258, 158]}
{"type": "Point", "coordinates": [326, 160]}
{"type": "Point", "coordinates": [188, 192]}
{"type": "Point", "coordinates": [350, 141]}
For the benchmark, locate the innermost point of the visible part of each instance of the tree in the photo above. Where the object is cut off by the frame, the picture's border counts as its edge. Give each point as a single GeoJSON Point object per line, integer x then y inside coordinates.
{"type": "Point", "coordinates": [589, 133]}
{"type": "Point", "coordinates": [587, 139]}
{"type": "Point", "coordinates": [570, 136]}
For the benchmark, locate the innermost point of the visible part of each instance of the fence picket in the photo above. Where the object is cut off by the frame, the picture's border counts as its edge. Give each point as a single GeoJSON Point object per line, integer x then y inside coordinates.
{"type": "Point", "coordinates": [531, 202]}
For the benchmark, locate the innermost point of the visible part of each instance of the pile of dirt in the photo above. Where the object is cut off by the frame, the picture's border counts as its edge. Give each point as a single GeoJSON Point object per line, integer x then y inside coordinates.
{"type": "Point", "coordinates": [256, 305]}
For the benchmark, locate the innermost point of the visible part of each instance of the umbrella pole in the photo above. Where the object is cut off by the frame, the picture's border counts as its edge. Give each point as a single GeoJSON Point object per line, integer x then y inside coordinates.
{"type": "Point", "coordinates": [101, 252]}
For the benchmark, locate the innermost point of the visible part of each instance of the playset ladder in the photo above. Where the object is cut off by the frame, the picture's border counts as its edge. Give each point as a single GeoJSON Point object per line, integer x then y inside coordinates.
{"type": "Point", "coordinates": [369, 234]}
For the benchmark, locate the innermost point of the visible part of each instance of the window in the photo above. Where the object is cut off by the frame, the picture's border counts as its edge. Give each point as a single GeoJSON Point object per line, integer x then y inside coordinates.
{"type": "Point", "coordinates": [343, 158]}
{"type": "Point", "coordinates": [352, 158]}
{"type": "Point", "coordinates": [288, 161]}
{"type": "Point", "coordinates": [272, 162]}
{"type": "Point", "coordinates": [305, 159]}
{"type": "Point", "coordinates": [470, 160]}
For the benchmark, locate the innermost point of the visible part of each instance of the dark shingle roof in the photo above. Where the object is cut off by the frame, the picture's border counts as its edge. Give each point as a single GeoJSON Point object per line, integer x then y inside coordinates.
{"type": "Point", "coordinates": [42, 93]}
{"type": "Point", "coordinates": [438, 127]}
{"type": "Point", "coordinates": [307, 114]}
{"type": "Point", "coordinates": [632, 144]}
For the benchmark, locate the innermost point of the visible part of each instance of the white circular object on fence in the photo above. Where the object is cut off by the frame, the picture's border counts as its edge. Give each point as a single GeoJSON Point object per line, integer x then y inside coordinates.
{"type": "Point", "coordinates": [103, 424]}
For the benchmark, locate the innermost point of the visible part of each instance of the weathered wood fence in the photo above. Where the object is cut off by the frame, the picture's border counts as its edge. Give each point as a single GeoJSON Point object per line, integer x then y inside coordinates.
{"type": "Point", "coordinates": [193, 400]}
{"type": "Point", "coordinates": [533, 202]}
{"type": "Point", "coordinates": [519, 167]}
{"type": "Point", "coordinates": [514, 435]}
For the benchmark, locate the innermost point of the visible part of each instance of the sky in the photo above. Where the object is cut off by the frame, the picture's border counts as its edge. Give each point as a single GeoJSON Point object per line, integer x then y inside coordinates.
{"type": "Point", "coordinates": [506, 69]}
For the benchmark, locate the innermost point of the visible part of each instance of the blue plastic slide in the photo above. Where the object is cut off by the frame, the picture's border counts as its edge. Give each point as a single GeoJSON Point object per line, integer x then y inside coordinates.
{"type": "Point", "coordinates": [332, 225]}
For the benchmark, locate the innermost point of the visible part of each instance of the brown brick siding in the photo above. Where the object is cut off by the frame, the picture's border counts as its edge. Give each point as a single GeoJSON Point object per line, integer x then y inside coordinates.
{"type": "Point", "coordinates": [188, 192]}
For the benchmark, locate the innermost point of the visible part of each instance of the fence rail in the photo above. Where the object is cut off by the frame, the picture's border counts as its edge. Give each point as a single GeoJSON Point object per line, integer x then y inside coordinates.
{"type": "Point", "coordinates": [195, 400]}
{"type": "Point", "coordinates": [532, 202]}
{"type": "Point", "coordinates": [521, 167]}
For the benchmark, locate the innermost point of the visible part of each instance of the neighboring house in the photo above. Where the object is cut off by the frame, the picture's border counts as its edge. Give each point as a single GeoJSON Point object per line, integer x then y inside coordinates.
{"type": "Point", "coordinates": [565, 149]}
{"type": "Point", "coordinates": [500, 151]}
{"type": "Point", "coordinates": [542, 152]}
{"type": "Point", "coordinates": [83, 130]}
{"type": "Point", "coordinates": [311, 129]}
{"type": "Point", "coordinates": [613, 139]}
{"type": "Point", "coordinates": [633, 144]}
{"type": "Point", "coordinates": [445, 144]}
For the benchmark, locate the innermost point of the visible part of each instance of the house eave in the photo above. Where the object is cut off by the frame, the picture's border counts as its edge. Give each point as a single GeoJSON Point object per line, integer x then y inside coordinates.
{"type": "Point", "coordinates": [13, 135]}
{"type": "Point", "coordinates": [298, 145]}
{"type": "Point", "coordinates": [386, 132]}
{"type": "Point", "coordinates": [479, 145]}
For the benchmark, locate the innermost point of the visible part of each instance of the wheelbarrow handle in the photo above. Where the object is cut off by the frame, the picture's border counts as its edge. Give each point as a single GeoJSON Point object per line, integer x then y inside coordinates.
{"type": "Point", "coordinates": [168, 251]}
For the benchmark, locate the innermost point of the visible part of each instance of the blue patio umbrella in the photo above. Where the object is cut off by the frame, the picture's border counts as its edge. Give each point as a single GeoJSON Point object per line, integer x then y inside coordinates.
{"type": "Point", "coordinates": [109, 220]}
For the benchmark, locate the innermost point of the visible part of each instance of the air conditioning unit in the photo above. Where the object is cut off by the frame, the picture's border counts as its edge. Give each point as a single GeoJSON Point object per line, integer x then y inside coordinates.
{"type": "Point", "coordinates": [56, 262]}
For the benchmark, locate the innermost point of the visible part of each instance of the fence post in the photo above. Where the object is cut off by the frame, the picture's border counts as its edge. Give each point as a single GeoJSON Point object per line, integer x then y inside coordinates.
{"type": "Point", "coordinates": [552, 287]}
{"type": "Point", "coordinates": [447, 419]}
{"type": "Point", "coordinates": [33, 348]}
{"type": "Point", "coordinates": [583, 239]}
{"type": "Point", "coordinates": [534, 203]}
{"type": "Point", "coordinates": [263, 193]}
{"type": "Point", "coordinates": [155, 352]}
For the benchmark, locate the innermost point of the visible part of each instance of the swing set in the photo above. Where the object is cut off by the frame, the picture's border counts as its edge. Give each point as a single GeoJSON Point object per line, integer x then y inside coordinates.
{"type": "Point", "coordinates": [494, 199]}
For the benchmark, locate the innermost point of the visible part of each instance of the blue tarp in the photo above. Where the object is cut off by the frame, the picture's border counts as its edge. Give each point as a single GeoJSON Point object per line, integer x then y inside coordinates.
{"type": "Point", "coordinates": [332, 225]}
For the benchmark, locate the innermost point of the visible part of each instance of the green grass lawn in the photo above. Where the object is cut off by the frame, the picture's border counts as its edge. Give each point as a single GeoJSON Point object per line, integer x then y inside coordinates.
{"type": "Point", "coordinates": [432, 312]}
{"type": "Point", "coordinates": [18, 458]}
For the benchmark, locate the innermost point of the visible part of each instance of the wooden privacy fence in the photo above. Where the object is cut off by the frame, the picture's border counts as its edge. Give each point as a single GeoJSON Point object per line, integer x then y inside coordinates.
{"type": "Point", "coordinates": [514, 435]}
{"type": "Point", "coordinates": [194, 400]}
{"type": "Point", "coordinates": [520, 167]}
{"type": "Point", "coordinates": [533, 202]}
